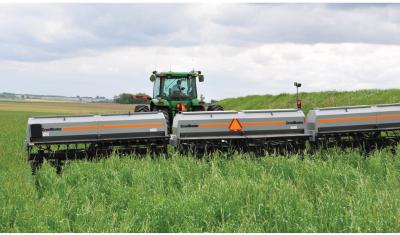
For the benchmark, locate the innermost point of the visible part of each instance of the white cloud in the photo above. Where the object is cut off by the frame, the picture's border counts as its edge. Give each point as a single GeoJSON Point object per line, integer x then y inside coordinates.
{"type": "Point", "coordinates": [229, 71]}
{"type": "Point", "coordinates": [53, 31]}
{"type": "Point", "coordinates": [106, 49]}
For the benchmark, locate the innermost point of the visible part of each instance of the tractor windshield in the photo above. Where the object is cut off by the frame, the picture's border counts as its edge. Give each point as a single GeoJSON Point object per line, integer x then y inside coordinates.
{"type": "Point", "coordinates": [178, 88]}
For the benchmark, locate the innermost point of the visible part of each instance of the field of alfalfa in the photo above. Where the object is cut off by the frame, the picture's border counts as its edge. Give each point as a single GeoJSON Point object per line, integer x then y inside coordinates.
{"type": "Point", "coordinates": [332, 191]}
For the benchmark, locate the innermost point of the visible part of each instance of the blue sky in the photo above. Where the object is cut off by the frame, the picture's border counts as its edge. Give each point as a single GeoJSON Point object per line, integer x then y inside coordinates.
{"type": "Point", "coordinates": [106, 49]}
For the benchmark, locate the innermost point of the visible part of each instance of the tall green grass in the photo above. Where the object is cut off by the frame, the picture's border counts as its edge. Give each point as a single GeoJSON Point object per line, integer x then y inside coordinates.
{"type": "Point", "coordinates": [183, 194]}
{"type": "Point", "coordinates": [332, 191]}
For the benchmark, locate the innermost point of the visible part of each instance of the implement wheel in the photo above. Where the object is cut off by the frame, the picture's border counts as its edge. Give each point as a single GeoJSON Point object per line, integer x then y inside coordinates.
{"type": "Point", "coordinates": [141, 108]}
{"type": "Point", "coordinates": [215, 107]}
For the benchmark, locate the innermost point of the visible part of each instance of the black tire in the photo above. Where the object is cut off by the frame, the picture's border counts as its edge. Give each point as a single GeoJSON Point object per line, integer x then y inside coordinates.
{"type": "Point", "coordinates": [141, 108]}
{"type": "Point", "coordinates": [198, 108]}
{"type": "Point", "coordinates": [215, 107]}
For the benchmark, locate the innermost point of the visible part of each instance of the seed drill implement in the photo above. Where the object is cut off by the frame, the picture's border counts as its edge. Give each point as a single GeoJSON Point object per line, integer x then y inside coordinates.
{"type": "Point", "coordinates": [177, 117]}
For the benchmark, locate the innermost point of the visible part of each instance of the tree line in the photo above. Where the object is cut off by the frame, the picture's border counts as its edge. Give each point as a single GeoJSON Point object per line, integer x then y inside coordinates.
{"type": "Point", "coordinates": [127, 98]}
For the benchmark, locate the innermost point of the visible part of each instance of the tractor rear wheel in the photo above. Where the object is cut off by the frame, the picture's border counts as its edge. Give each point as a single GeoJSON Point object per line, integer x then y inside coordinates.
{"type": "Point", "coordinates": [141, 108]}
{"type": "Point", "coordinates": [215, 107]}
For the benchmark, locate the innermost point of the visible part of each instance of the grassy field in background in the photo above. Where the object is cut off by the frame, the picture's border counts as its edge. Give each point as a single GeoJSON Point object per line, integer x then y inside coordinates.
{"type": "Point", "coordinates": [65, 107]}
{"type": "Point", "coordinates": [313, 99]}
{"type": "Point", "coordinates": [332, 191]}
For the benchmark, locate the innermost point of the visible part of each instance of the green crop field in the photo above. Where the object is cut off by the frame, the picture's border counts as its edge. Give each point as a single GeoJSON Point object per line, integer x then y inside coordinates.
{"type": "Point", "coordinates": [65, 107]}
{"type": "Point", "coordinates": [314, 99]}
{"type": "Point", "coordinates": [332, 191]}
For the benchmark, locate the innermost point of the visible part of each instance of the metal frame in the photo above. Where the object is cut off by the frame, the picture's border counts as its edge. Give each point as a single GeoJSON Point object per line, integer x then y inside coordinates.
{"type": "Point", "coordinates": [57, 153]}
{"type": "Point", "coordinates": [259, 145]}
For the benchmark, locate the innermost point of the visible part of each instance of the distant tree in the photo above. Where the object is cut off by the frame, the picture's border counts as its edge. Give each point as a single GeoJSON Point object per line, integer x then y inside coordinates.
{"type": "Point", "coordinates": [124, 98]}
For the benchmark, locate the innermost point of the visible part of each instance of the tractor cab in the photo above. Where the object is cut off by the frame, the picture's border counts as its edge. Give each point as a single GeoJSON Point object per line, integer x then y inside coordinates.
{"type": "Point", "coordinates": [175, 86]}
{"type": "Point", "coordinates": [176, 92]}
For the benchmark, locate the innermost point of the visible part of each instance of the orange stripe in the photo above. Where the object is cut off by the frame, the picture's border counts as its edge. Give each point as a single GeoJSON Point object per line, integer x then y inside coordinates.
{"type": "Point", "coordinates": [354, 119]}
{"type": "Point", "coordinates": [208, 125]}
{"type": "Point", "coordinates": [121, 126]}
{"type": "Point", "coordinates": [226, 124]}
{"type": "Point", "coordinates": [131, 126]}
{"type": "Point", "coordinates": [388, 117]}
{"type": "Point", "coordinates": [79, 128]}
{"type": "Point", "coordinates": [348, 119]}
{"type": "Point", "coordinates": [263, 123]}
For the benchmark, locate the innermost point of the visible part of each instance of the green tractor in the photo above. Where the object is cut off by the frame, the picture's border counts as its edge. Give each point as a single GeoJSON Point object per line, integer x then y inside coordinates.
{"type": "Point", "coordinates": [175, 92]}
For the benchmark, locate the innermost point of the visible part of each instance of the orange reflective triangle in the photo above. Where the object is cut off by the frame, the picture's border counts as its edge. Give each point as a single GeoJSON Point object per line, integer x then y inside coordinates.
{"type": "Point", "coordinates": [235, 125]}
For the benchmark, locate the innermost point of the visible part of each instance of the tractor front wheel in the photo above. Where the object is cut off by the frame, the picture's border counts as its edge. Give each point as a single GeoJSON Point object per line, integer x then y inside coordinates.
{"type": "Point", "coordinates": [198, 108]}
{"type": "Point", "coordinates": [215, 107]}
{"type": "Point", "coordinates": [141, 108]}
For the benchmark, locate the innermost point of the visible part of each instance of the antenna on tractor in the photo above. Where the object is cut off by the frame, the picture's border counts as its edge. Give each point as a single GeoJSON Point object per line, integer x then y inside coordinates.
{"type": "Point", "coordinates": [298, 101]}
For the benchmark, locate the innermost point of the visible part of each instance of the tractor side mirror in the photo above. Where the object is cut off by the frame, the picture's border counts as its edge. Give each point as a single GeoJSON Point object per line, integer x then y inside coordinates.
{"type": "Point", "coordinates": [153, 77]}
{"type": "Point", "coordinates": [202, 98]}
{"type": "Point", "coordinates": [201, 78]}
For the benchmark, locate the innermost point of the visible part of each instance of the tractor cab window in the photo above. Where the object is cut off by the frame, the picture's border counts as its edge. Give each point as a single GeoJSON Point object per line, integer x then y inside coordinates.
{"type": "Point", "coordinates": [156, 88]}
{"type": "Point", "coordinates": [179, 88]}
